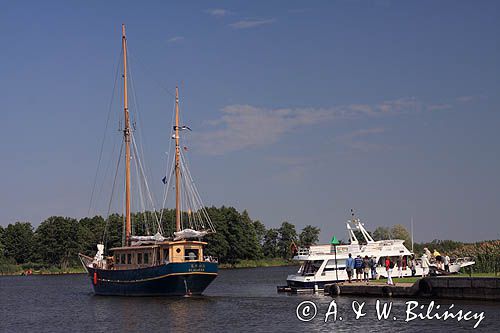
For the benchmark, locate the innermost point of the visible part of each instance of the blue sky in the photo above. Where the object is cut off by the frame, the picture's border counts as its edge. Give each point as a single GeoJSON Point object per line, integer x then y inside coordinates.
{"type": "Point", "coordinates": [299, 110]}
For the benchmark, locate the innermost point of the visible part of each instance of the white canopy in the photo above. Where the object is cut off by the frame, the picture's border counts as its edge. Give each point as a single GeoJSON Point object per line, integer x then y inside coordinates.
{"type": "Point", "coordinates": [189, 233]}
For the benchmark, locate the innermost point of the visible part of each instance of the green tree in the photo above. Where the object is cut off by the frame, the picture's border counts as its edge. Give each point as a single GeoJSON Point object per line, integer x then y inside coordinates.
{"type": "Point", "coordinates": [399, 232]}
{"type": "Point", "coordinates": [89, 234]}
{"type": "Point", "coordinates": [18, 241]}
{"type": "Point", "coordinates": [217, 246]}
{"type": "Point", "coordinates": [251, 243]}
{"type": "Point", "coordinates": [270, 245]}
{"type": "Point", "coordinates": [2, 248]}
{"type": "Point", "coordinates": [382, 233]}
{"type": "Point", "coordinates": [288, 234]}
{"type": "Point", "coordinates": [235, 239]}
{"type": "Point", "coordinates": [309, 236]}
{"type": "Point", "coordinates": [260, 231]}
{"type": "Point", "coordinates": [56, 241]}
{"type": "Point", "coordinates": [113, 231]}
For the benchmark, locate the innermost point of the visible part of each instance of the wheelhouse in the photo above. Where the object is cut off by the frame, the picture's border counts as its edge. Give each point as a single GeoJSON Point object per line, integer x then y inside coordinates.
{"type": "Point", "coordinates": [141, 256]}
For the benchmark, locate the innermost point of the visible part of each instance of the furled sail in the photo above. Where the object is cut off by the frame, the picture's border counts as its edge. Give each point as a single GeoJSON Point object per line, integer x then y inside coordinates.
{"type": "Point", "coordinates": [157, 237]}
{"type": "Point", "coordinates": [189, 233]}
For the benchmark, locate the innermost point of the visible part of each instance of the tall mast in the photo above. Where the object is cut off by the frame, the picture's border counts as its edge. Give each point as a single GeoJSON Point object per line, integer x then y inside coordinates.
{"type": "Point", "coordinates": [126, 135]}
{"type": "Point", "coordinates": [177, 165]}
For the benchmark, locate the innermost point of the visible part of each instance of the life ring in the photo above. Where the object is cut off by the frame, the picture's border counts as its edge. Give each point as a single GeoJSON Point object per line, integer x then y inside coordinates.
{"type": "Point", "coordinates": [425, 287]}
{"type": "Point", "coordinates": [334, 290]}
{"type": "Point", "coordinates": [95, 278]}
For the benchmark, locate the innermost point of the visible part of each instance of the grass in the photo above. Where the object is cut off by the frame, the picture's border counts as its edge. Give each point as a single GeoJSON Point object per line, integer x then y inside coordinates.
{"type": "Point", "coordinates": [259, 263]}
{"type": "Point", "coordinates": [10, 269]}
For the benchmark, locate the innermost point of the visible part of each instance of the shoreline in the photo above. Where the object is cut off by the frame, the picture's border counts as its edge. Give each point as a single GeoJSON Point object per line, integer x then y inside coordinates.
{"type": "Point", "coordinates": [242, 264]}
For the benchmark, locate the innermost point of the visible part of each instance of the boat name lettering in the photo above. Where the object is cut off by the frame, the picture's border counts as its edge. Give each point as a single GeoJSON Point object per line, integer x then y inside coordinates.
{"type": "Point", "coordinates": [197, 267]}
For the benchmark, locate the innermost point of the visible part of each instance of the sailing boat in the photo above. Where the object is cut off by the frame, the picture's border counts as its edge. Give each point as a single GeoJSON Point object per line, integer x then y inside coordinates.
{"type": "Point", "coordinates": [156, 265]}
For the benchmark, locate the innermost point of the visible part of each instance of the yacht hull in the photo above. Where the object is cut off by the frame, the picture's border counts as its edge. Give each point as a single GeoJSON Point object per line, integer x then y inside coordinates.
{"type": "Point", "coordinates": [172, 279]}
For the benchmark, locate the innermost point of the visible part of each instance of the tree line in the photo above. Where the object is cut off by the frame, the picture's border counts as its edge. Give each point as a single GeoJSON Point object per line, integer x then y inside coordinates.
{"type": "Point", "coordinates": [57, 241]}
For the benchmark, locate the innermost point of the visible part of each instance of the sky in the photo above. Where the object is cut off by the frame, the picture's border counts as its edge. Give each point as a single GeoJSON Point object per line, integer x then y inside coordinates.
{"type": "Point", "coordinates": [300, 110]}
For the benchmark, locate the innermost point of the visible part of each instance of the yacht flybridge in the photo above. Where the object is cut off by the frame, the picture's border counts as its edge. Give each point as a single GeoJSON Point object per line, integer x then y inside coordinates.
{"type": "Point", "coordinates": [324, 264]}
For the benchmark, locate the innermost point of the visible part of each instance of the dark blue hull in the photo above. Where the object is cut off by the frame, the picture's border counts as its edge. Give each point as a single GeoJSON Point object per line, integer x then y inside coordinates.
{"type": "Point", "coordinates": [173, 279]}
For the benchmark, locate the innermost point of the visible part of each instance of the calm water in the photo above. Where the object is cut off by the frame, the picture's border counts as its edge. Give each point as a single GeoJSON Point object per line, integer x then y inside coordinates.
{"type": "Point", "coordinates": [239, 300]}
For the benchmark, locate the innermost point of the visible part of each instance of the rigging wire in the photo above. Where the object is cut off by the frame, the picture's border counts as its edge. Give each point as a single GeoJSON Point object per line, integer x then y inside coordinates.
{"type": "Point", "coordinates": [112, 192]}
{"type": "Point", "coordinates": [105, 131]}
{"type": "Point", "coordinates": [158, 82]}
{"type": "Point", "coordinates": [134, 145]}
{"type": "Point", "coordinates": [165, 195]}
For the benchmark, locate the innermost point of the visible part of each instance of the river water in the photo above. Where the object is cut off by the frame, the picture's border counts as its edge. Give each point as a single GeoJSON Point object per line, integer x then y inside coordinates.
{"type": "Point", "coordinates": [239, 300]}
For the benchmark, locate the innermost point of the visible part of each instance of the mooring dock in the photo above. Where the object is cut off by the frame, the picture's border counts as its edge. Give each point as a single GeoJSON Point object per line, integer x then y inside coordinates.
{"type": "Point", "coordinates": [431, 287]}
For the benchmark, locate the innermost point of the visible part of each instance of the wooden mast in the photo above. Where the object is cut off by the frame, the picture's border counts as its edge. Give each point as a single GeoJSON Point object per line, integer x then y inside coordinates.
{"type": "Point", "coordinates": [126, 134]}
{"type": "Point", "coordinates": [177, 165]}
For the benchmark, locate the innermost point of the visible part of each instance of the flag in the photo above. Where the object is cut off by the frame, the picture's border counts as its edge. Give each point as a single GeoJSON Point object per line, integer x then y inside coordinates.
{"type": "Point", "coordinates": [164, 180]}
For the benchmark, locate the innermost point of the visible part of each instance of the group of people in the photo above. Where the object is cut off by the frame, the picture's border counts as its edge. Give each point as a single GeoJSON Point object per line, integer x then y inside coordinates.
{"type": "Point", "coordinates": [401, 264]}
{"type": "Point", "coordinates": [442, 261]}
{"type": "Point", "coordinates": [362, 266]}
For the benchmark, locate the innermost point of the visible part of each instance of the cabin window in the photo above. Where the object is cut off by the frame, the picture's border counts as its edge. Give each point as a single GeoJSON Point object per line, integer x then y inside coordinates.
{"type": "Point", "coordinates": [129, 258]}
{"type": "Point", "coordinates": [191, 254]}
{"type": "Point", "coordinates": [123, 259]}
{"type": "Point", "coordinates": [178, 250]}
{"type": "Point", "coordinates": [146, 258]}
{"type": "Point", "coordinates": [117, 258]}
{"type": "Point", "coordinates": [165, 255]}
{"type": "Point", "coordinates": [330, 265]}
{"type": "Point", "coordinates": [311, 267]}
{"type": "Point", "coordinates": [139, 258]}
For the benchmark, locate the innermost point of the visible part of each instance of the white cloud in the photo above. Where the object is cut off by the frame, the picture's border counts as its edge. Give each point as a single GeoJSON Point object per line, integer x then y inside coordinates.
{"type": "Point", "coordinates": [218, 12]}
{"type": "Point", "coordinates": [439, 107]}
{"type": "Point", "coordinates": [246, 126]}
{"type": "Point", "coordinates": [248, 23]}
{"type": "Point", "coordinates": [465, 99]}
{"type": "Point", "coordinates": [175, 39]}
{"type": "Point", "coordinates": [360, 140]}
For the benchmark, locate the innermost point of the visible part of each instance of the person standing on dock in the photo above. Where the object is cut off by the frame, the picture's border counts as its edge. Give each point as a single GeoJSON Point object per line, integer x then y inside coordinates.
{"type": "Point", "coordinates": [389, 265]}
{"type": "Point", "coordinates": [425, 265]}
{"type": "Point", "coordinates": [399, 263]}
{"type": "Point", "coordinates": [439, 259]}
{"type": "Point", "coordinates": [349, 267]}
{"type": "Point", "coordinates": [358, 265]}
{"type": "Point", "coordinates": [413, 265]}
{"type": "Point", "coordinates": [446, 261]}
{"type": "Point", "coordinates": [373, 266]}
{"type": "Point", "coordinates": [366, 269]}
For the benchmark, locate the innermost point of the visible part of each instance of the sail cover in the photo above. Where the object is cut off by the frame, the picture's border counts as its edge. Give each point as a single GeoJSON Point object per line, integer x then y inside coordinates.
{"type": "Point", "coordinates": [189, 233]}
{"type": "Point", "coordinates": [157, 238]}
